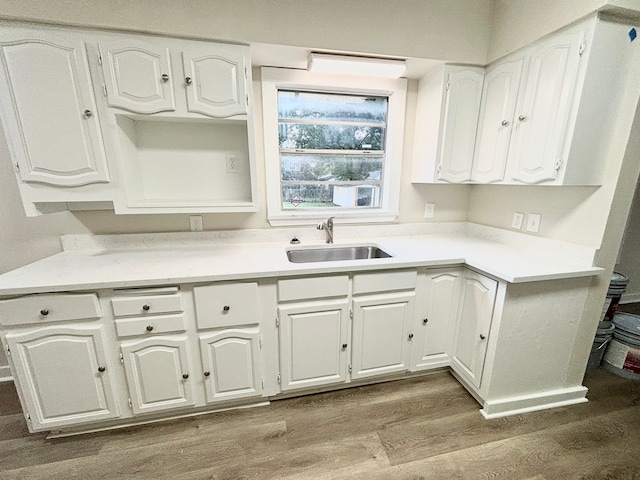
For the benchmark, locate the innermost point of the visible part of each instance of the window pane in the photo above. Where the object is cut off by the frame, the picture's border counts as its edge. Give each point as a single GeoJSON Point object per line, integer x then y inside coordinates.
{"type": "Point", "coordinates": [322, 195]}
{"type": "Point", "coordinates": [330, 137]}
{"type": "Point", "coordinates": [331, 168]}
{"type": "Point", "coordinates": [331, 107]}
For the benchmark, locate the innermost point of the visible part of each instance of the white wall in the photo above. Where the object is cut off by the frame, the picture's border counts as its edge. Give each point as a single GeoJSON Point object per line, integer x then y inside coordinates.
{"type": "Point", "coordinates": [629, 258]}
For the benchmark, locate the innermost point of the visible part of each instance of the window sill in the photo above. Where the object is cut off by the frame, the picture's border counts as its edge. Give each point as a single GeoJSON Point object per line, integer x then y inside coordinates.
{"type": "Point", "coordinates": [312, 218]}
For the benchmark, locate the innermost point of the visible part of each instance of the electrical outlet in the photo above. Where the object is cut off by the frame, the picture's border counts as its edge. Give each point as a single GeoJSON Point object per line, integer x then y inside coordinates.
{"type": "Point", "coordinates": [195, 223]}
{"type": "Point", "coordinates": [533, 222]}
{"type": "Point", "coordinates": [232, 162]}
{"type": "Point", "coordinates": [429, 210]}
{"type": "Point", "coordinates": [518, 218]}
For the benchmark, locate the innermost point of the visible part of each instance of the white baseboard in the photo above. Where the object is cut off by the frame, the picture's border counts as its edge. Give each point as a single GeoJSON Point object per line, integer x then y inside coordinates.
{"type": "Point", "coordinates": [5, 374]}
{"type": "Point", "coordinates": [530, 403]}
{"type": "Point", "coordinates": [630, 298]}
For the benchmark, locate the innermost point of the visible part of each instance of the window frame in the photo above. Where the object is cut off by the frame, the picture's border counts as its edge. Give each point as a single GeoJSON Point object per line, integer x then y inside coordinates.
{"type": "Point", "coordinates": [274, 79]}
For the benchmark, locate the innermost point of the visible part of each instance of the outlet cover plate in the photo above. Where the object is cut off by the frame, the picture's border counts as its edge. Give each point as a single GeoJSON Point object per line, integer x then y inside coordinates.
{"type": "Point", "coordinates": [533, 222]}
{"type": "Point", "coordinates": [429, 210]}
{"type": "Point", "coordinates": [518, 218]}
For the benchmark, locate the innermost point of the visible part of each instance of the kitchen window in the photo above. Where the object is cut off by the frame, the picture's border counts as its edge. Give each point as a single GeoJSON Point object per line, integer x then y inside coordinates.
{"type": "Point", "coordinates": [333, 146]}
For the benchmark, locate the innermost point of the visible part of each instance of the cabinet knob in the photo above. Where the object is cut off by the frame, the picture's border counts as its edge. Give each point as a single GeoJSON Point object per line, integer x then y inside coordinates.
{"type": "Point", "coordinates": [88, 113]}
{"type": "Point", "coordinates": [226, 308]}
{"type": "Point", "coordinates": [188, 80]}
{"type": "Point", "coordinates": [149, 328]}
{"type": "Point", "coordinates": [44, 312]}
{"type": "Point", "coordinates": [482, 337]}
{"type": "Point", "coordinates": [410, 336]}
{"type": "Point", "coordinates": [522, 118]}
{"type": "Point", "coordinates": [344, 345]}
{"type": "Point", "coordinates": [425, 321]}
{"type": "Point", "coordinates": [206, 373]}
{"type": "Point", "coordinates": [101, 369]}
{"type": "Point", "coordinates": [164, 77]}
{"type": "Point", "coordinates": [185, 375]}
{"type": "Point", "coordinates": [146, 308]}
{"type": "Point", "coordinates": [504, 123]}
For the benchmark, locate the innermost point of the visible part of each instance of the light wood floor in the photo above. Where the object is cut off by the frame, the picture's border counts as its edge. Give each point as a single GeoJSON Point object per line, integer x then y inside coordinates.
{"type": "Point", "coordinates": [418, 428]}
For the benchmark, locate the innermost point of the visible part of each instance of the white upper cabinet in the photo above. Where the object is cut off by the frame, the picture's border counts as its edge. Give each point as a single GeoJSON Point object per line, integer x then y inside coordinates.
{"type": "Point", "coordinates": [215, 80]}
{"type": "Point", "coordinates": [499, 96]}
{"type": "Point", "coordinates": [48, 109]}
{"type": "Point", "coordinates": [137, 76]}
{"type": "Point", "coordinates": [446, 122]}
{"type": "Point", "coordinates": [542, 115]}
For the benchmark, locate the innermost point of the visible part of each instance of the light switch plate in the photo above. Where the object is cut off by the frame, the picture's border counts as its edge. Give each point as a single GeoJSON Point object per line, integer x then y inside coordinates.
{"type": "Point", "coordinates": [533, 222]}
{"type": "Point", "coordinates": [518, 218]}
{"type": "Point", "coordinates": [429, 210]}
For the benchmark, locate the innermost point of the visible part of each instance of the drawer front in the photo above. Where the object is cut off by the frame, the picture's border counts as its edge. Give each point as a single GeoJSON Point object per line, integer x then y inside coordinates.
{"type": "Point", "coordinates": [313, 287]}
{"type": "Point", "coordinates": [49, 308]}
{"type": "Point", "coordinates": [134, 327]}
{"type": "Point", "coordinates": [127, 306]}
{"type": "Point", "coordinates": [384, 281]}
{"type": "Point", "coordinates": [227, 304]}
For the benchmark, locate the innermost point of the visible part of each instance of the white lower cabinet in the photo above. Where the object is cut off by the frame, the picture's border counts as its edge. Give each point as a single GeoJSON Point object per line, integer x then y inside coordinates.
{"type": "Point", "coordinates": [159, 373]}
{"type": "Point", "coordinates": [63, 374]}
{"type": "Point", "coordinates": [381, 334]}
{"type": "Point", "coordinates": [313, 343]}
{"type": "Point", "coordinates": [475, 312]}
{"type": "Point", "coordinates": [232, 364]}
{"type": "Point", "coordinates": [435, 318]}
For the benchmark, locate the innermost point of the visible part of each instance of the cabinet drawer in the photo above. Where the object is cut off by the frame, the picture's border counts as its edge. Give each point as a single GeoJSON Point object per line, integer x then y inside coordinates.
{"type": "Point", "coordinates": [131, 327]}
{"type": "Point", "coordinates": [384, 281]}
{"type": "Point", "coordinates": [146, 305]}
{"type": "Point", "coordinates": [313, 287]}
{"type": "Point", "coordinates": [49, 308]}
{"type": "Point", "coordinates": [226, 304]}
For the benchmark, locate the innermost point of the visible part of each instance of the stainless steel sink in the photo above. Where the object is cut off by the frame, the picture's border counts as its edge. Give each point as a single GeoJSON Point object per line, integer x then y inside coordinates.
{"type": "Point", "coordinates": [334, 254]}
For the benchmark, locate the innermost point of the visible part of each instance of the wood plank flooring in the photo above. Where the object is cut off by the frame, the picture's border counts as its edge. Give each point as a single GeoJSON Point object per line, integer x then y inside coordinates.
{"type": "Point", "coordinates": [418, 428]}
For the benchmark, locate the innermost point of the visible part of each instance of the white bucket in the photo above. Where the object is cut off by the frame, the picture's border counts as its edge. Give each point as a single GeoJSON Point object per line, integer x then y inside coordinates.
{"type": "Point", "coordinates": [623, 353]}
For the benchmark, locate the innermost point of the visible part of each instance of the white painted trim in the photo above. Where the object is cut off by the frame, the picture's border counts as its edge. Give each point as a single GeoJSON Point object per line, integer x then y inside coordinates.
{"type": "Point", "coordinates": [630, 298]}
{"type": "Point", "coordinates": [5, 374]}
{"type": "Point", "coordinates": [530, 403]}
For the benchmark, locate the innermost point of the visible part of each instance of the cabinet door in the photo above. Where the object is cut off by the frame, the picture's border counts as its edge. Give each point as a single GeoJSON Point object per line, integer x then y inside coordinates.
{"type": "Point", "coordinates": [48, 110]}
{"type": "Point", "coordinates": [472, 326]}
{"type": "Point", "coordinates": [232, 363]}
{"type": "Point", "coordinates": [158, 373]}
{"type": "Point", "coordinates": [541, 120]}
{"type": "Point", "coordinates": [381, 334]}
{"type": "Point", "coordinates": [64, 375]}
{"type": "Point", "coordinates": [435, 322]}
{"type": "Point", "coordinates": [215, 80]}
{"type": "Point", "coordinates": [499, 97]}
{"type": "Point", "coordinates": [313, 344]}
{"type": "Point", "coordinates": [137, 76]}
{"type": "Point", "coordinates": [464, 92]}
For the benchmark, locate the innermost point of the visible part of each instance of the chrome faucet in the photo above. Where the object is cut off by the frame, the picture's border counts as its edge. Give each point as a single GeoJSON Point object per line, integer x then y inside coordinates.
{"type": "Point", "coordinates": [328, 228]}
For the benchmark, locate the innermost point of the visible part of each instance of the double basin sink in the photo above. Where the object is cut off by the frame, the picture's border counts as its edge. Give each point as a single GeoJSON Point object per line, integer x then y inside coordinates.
{"type": "Point", "coordinates": [334, 254]}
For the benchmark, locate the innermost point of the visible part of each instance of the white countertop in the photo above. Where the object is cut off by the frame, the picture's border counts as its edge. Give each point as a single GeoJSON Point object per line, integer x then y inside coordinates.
{"type": "Point", "coordinates": [168, 259]}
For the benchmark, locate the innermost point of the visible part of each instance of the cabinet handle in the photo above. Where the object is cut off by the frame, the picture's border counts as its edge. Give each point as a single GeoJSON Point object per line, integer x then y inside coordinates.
{"type": "Point", "coordinates": [522, 118]}
{"type": "Point", "coordinates": [206, 373]}
{"type": "Point", "coordinates": [101, 369]}
{"type": "Point", "coordinates": [425, 321]}
{"type": "Point", "coordinates": [185, 375]}
{"type": "Point", "coordinates": [44, 312]}
{"type": "Point", "coordinates": [149, 328]}
{"type": "Point", "coordinates": [504, 123]}
{"type": "Point", "coordinates": [410, 336]}
{"type": "Point", "coordinates": [482, 337]}
{"type": "Point", "coordinates": [146, 308]}
{"type": "Point", "coordinates": [226, 308]}
{"type": "Point", "coordinates": [88, 113]}
{"type": "Point", "coordinates": [188, 80]}
{"type": "Point", "coordinates": [344, 345]}
{"type": "Point", "coordinates": [164, 77]}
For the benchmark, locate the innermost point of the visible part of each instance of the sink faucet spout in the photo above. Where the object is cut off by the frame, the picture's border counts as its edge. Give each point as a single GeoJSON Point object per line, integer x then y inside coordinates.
{"type": "Point", "coordinates": [328, 228]}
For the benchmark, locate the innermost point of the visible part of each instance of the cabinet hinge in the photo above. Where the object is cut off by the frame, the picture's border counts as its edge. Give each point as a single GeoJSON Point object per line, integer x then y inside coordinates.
{"type": "Point", "coordinates": [130, 404]}
{"type": "Point", "coordinates": [351, 313]}
{"type": "Point", "coordinates": [279, 379]}
{"type": "Point", "coordinates": [446, 87]}
{"type": "Point", "coordinates": [277, 322]}
{"type": "Point", "coordinates": [260, 341]}
{"type": "Point", "coordinates": [246, 74]}
{"type": "Point", "coordinates": [558, 164]}
{"type": "Point", "coordinates": [262, 383]}
{"type": "Point", "coordinates": [104, 89]}
{"type": "Point", "coordinates": [583, 46]}
{"type": "Point", "coordinates": [8, 350]}
{"type": "Point", "coordinates": [350, 369]}
{"type": "Point", "coordinates": [439, 169]}
{"type": "Point", "coordinates": [100, 59]}
{"type": "Point", "coordinates": [247, 98]}
{"type": "Point", "coordinates": [28, 416]}
{"type": "Point", "coordinates": [18, 167]}
{"type": "Point", "coordinates": [121, 358]}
